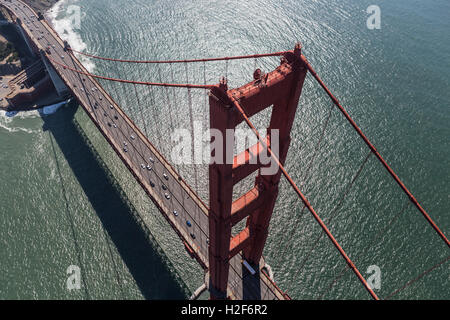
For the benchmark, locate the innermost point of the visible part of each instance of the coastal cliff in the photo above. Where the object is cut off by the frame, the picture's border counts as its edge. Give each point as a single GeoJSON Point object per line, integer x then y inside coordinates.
{"type": "Point", "coordinates": [24, 84]}
{"type": "Point", "coordinates": [40, 5]}
{"type": "Point", "coordinates": [13, 55]}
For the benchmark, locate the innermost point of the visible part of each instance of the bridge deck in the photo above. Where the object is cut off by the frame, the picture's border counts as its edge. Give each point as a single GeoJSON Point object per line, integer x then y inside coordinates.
{"type": "Point", "coordinates": [161, 182]}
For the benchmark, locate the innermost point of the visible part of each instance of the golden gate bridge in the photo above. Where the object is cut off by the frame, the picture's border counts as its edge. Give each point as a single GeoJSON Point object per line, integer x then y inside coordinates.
{"type": "Point", "coordinates": [233, 262]}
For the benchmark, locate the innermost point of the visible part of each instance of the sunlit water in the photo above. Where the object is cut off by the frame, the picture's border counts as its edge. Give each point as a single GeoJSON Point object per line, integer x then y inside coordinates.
{"type": "Point", "coordinates": [66, 199]}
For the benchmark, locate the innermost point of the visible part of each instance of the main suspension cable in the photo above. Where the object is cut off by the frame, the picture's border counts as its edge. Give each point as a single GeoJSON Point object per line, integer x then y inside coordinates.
{"type": "Point", "coordinates": [374, 150]}
{"type": "Point", "coordinates": [335, 211]}
{"type": "Point", "coordinates": [274, 157]}
{"type": "Point", "coordinates": [364, 252]}
{"type": "Point", "coordinates": [307, 172]}
{"type": "Point", "coordinates": [274, 54]}
{"type": "Point", "coordinates": [156, 84]}
{"type": "Point", "coordinates": [303, 198]}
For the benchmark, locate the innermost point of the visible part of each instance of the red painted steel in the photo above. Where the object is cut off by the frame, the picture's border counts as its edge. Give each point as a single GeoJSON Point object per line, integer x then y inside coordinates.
{"type": "Point", "coordinates": [249, 100]}
{"type": "Point", "coordinates": [274, 54]}
{"type": "Point", "coordinates": [283, 86]}
{"type": "Point", "coordinates": [220, 196]}
{"type": "Point", "coordinates": [156, 84]}
{"type": "Point", "coordinates": [306, 202]}
{"type": "Point", "coordinates": [377, 154]}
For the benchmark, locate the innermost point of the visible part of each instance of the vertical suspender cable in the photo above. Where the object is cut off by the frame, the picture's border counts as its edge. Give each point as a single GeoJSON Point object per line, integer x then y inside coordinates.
{"type": "Point", "coordinates": [141, 109]}
{"type": "Point", "coordinates": [114, 86]}
{"type": "Point", "coordinates": [174, 109]}
{"type": "Point", "coordinates": [206, 117]}
{"type": "Point", "coordinates": [169, 105]}
{"type": "Point", "coordinates": [174, 93]}
{"type": "Point", "coordinates": [191, 119]}
{"type": "Point", "coordinates": [305, 201]}
{"type": "Point", "coordinates": [335, 210]}
{"type": "Point", "coordinates": [206, 111]}
{"type": "Point", "coordinates": [364, 252]}
{"type": "Point", "coordinates": [155, 116]}
{"type": "Point", "coordinates": [308, 170]}
{"type": "Point", "coordinates": [420, 276]}
{"type": "Point", "coordinates": [226, 69]}
{"type": "Point", "coordinates": [374, 150]}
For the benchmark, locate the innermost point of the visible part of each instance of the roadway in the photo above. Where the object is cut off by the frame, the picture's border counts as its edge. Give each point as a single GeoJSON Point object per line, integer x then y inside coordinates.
{"type": "Point", "coordinates": [181, 207]}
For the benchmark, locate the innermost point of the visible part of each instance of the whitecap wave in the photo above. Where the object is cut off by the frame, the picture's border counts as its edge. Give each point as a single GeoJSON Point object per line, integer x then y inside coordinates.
{"type": "Point", "coordinates": [6, 122]}
{"type": "Point", "coordinates": [63, 25]}
{"type": "Point", "coordinates": [7, 118]}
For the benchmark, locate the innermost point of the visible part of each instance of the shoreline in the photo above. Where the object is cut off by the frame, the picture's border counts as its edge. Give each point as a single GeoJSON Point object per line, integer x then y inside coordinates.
{"type": "Point", "coordinates": [41, 5]}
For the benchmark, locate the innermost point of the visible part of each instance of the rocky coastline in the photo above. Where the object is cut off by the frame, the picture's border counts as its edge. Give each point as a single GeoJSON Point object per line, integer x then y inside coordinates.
{"type": "Point", "coordinates": [15, 60]}
{"type": "Point", "coordinates": [40, 5]}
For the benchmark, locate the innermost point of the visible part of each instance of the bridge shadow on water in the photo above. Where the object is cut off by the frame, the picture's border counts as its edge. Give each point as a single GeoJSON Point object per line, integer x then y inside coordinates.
{"type": "Point", "coordinates": [251, 285]}
{"type": "Point", "coordinates": [151, 272]}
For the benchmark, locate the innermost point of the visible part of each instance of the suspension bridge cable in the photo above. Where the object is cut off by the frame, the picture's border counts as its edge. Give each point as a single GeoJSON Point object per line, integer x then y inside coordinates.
{"type": "Point", "coordinates": [156, 84]}
{"type": "Point", "coordinates": [206, 91]}
{"type": "Point", "coordinates": [116, 69]}
{"type": "Point", "coordinates": [174, 94]}
{"type": "Point", "coordinates": [132, 110]}
{"type": "Point", "coordinates": [364, 252]}
{"type": "Point", "coordinates": [124, 71]}
{"type": "Point", "coordinates": [316, 149]}
{"type": "Point", "coordinates": [168, 105]}
{"type": "Point", "coordinates": [86, 90]}
{"type": "Point", "coordinates": [140, 106]}
{"type": "Point", "coordinates": [175, 107]}
{"type": "Point", "coordinates": [191, 120]}
{"type": "Point", "coordinates": [293, 231]}
{"type": "Point", "coordinates": [161, 181]}
{"type": "Point", "coordinates": [334, 211]}
{"type": "Point", "coordinates": [206, 122]}
{"type": "Point", "coordinates": [226, 69]}
{"type": "Point", "coordinates": [420, 276]}
{"type": "Point", "coordinates": [308, 169]}
{"type": "Point", "coordinates": [116, 85]}
{"type": "Point", "coordinates": [155, 116]}
{"type": "Point", "coordinates": [141, 109]}
{"type": "Point", "coordinates": [274, 54]}
{"type": "Point", "coordinates": [374, 150]}
{"type": "Point", "coordinates": [303, 198]}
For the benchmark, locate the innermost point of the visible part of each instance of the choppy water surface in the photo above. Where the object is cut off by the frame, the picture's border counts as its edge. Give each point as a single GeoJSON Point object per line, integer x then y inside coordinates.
{"type": "Point", "coordinates": [66, 199]}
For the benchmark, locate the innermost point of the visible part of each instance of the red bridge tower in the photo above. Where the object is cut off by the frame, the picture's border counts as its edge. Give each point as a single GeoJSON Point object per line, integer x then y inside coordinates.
{"type": "Point", "coordinates": [281, 89]}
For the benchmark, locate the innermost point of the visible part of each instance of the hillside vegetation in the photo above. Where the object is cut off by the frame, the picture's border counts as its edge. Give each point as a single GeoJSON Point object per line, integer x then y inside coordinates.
{"type": "Point", "coordinates": [7, 48]}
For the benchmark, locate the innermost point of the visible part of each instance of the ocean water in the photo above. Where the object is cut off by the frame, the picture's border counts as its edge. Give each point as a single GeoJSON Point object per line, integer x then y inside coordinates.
{"type": "Point", "coordinates": [66, 199]}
